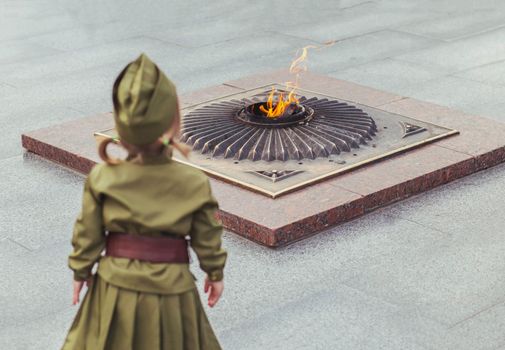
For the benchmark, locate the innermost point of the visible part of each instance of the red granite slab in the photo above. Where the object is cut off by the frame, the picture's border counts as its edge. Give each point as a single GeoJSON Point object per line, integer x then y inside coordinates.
{"type": "Point", "coordinates": [406, 174]}
{"type": "Point", "coordinates": [282, 220]}
{"type": "Point", "coordinates": [71, 144]}
{"type": "Point", "coordinates": [480, 137]}
{"type": "Point", "coordinates": [275, 222]}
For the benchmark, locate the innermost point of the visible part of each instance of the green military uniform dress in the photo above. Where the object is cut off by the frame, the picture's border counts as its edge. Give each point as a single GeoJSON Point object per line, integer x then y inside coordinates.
{"type": "Point", "coordinates": [133, 304]}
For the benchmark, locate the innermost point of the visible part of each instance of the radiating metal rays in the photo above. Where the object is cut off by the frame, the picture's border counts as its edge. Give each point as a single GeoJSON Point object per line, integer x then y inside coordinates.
{"type": "Point", "coordinates": [335, 127]}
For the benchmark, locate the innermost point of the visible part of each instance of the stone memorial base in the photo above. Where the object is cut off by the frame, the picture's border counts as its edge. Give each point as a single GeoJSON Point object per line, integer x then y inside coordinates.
{"type": "Point", "coordinates": [480, 144]}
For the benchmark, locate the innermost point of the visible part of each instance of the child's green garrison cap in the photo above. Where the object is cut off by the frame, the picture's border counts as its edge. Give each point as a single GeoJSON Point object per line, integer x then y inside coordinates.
{"type": "Point", "coordinates": [145, 102]}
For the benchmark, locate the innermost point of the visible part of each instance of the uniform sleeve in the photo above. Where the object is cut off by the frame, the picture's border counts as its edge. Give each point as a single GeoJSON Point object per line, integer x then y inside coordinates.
{"type": "Point", "coordinates": [206, 239]}
{"type": "Point", "coordinates": [88, 237]}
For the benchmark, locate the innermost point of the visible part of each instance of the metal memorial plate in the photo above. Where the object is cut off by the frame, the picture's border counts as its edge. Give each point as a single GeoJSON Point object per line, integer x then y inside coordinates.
{"type": "Point", "coordinates": [326, 136]}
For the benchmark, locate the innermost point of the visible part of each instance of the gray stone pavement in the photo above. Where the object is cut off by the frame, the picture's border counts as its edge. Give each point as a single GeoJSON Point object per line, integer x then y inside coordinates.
{"type": "Point", "coordinates": [426, 273]}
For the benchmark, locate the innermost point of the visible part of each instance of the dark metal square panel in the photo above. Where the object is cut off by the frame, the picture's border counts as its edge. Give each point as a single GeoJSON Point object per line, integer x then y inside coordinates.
{"type": "Point", "coordinates": [326, 137]}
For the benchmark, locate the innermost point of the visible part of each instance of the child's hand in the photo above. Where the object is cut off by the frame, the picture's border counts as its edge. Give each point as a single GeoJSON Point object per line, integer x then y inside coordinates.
{"type": "Point", "coordinates": [77, 290]}
{"type": "Point", "coordinates": [215, 288]}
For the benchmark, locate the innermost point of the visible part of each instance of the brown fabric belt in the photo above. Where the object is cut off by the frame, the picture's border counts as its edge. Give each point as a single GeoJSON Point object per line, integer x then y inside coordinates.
{"type": "Point", "coordinates": [152, 249]}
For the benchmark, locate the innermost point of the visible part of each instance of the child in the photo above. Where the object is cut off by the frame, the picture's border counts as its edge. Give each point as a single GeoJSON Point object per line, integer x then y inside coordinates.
{"type": "Point", "coordinates": [140, 212]}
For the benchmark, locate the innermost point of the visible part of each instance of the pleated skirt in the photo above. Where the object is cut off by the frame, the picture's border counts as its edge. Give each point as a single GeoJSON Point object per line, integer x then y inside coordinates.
{"type": "Point", "coordinates": [113, 318]}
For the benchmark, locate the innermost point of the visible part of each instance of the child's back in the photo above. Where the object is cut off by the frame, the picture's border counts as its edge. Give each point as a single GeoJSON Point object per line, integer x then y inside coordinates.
{"type": "Point", "coordinates": [142, 210]}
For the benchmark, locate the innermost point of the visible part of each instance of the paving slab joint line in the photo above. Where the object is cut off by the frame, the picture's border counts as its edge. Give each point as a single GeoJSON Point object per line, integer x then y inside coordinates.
{"type": "Point", "coordinates": [401, 98]}
{"type": "Point", "coordinates": [346, 189]}
{"type": "Point", "coordinates": [19, 244]}
{"type": "Point", "coordinates": [440, 41]}
{"type": "Point", "coordinates": [358, 5]}
{"type": "Point", "coordinates": [421, 224]}
{"type": "Point", "coordinates": [243, 36]}
{"type": "Point", "coordinates": [480, 66]}
{"type": "Point", "coordinates": [327, 41]}
{"type": "Point", "coordinates": [473, 80]}
{"type": "Point", "coordinates": [396, 305]}
{"type": "Point", "coordinates": [8, 84]}
{"type": "Point", "coordinates": [163, 41]}
{"type": "Point", "coordinates": [457, 151]}
{"type": "Point", "coordinates": [345, 68]}
{"type": "Point", "coordinates": [363, 293]}
{"type": "Point", "coordinates": [477, 313]}
{"type": "Point", "coordinates": [65, 240]}
{"type": "Point", "coordinates": [483, 31]}
{"type": "Point", "coordinates": [291, 36]}
{"type": "Point", "coordinates": [76, 110]}
{"type": "Point", "coordinates": [420, 64]}
{"type": "Point", "coordinates": [233, 86]}
{"type": "Point", "coordinates": [336, 41]}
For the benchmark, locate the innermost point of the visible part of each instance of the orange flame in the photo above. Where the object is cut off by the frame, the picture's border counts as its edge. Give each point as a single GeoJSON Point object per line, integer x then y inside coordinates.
{"type": "Point", "coordinates": [277, 108]}
{"type": "Point", "coordinates": [274, 111]}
